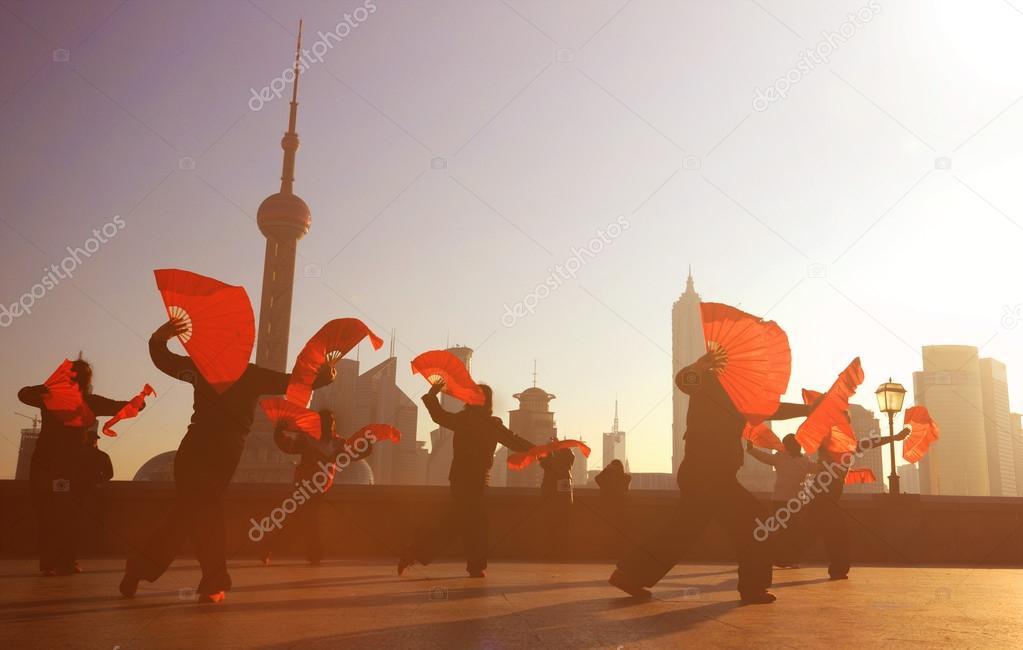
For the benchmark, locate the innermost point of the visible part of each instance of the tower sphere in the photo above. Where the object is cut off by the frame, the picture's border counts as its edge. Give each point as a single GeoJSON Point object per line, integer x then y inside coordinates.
{"type": "Point", "coordinates": [283, 216]}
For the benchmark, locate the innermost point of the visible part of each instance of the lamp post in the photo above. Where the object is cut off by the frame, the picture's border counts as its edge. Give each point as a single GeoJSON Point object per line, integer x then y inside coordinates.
{"type": "Point", "coordinates": [890, 396]}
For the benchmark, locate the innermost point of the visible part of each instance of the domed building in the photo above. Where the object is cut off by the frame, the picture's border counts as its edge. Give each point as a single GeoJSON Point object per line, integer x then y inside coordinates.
{"type": "Point", "coordinates": [534, 421]}
{"type": "Point", "coordinates": [357, 473]}
{"type": "Point", "coordinates": [159, 468]}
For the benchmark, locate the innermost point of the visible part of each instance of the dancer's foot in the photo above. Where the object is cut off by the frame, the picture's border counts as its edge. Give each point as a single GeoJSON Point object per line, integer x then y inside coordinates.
{"type": "Point", "coordinates": [75, 568]}
{"type": "Point", "coordinates": [838, 576]}
{"type": "Point", "coordinates": [787, 566]}
{"type": "Point", "coordinates": [215, 597]}
{"type": "Point", "coordinates": [623, 582]}
{"type": "Point", "coordinates": [479, 573]}
{"type": "Point", "coordinates": [48, 573]}
{"type": "Point", "coordinates": [758, 598]}
{"type": "Point", "coordinates": [404, 562]}
{"type": "Point", "coordinates": [265, 559]}
{"type": "Point", "coordinates": [129, 583]}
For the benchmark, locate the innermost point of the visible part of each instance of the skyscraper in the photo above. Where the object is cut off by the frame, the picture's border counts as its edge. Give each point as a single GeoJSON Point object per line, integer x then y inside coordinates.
{"type": "Point", "coordinates": [614, 444]}
{"type": "Point", "coordinates": [949, 386]}
{"type": "Point", "coordinates": [909, 479]}
{"type": "Point", "coordinates": [997, 429]}
{"type": "Point", "coordinates": [534, 421]}
{"type": "Point", "coordinates": [439, 462]}
{"type": "Point", "coordinates": [25, 451]}
{"type": "Point", "coordinates": [1016, 427]}
{"type": "Point", "coordinates": [379, 400]}
{"type": "Point", "coordinates": [865, 425]}
{"type": "Point", "coordinates": [687, 345]}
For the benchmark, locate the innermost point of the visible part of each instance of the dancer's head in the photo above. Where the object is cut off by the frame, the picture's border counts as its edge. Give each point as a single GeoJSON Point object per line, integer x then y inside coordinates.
{"type": "Point", "coordinates": [616, 466]}
{"type": "Point", "coordinates": [328, 425]}
{"type": "Point", "coordinates": [792, 445]}
{"type": "Point", "coordinates": [83, 374]}
{"type": "Point", "coordinates": [488, 401]}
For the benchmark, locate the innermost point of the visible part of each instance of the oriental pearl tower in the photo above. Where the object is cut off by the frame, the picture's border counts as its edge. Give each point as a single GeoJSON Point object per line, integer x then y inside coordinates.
{"type": "Point", "coordinates": [283, 219]}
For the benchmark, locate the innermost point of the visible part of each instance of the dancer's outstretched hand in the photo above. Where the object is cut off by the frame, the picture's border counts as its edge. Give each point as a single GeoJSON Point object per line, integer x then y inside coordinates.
{"type": "Point", "coordinates": [170, 329]}
{"type": "Point", "coordinates": [437, 387]}
{"type": "Point", "coordinates": [901, 435]}
{"type": "Point", "coordinates": [325, 375]}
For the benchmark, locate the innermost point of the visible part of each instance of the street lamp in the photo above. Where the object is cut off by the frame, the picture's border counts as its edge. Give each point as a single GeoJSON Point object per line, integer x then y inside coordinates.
{"type": "Point", "coordinates": [889, 400]}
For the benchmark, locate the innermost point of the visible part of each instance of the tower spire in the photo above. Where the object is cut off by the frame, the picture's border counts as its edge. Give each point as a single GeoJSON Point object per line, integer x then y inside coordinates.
{"type": "Point", "coordinates": [534, 373]}
{"type": "Point", "coordinates": [615, 428]}
{"type": "Point", "coordinates": [690, 288]}
{"type": "Point", "coordinates": [290, 140]}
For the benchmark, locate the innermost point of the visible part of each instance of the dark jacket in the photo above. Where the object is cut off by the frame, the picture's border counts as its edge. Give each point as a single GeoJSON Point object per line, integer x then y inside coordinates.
{"type": "Point", "coordinates": [475, 440]}
{"type": "Point", "coordinates": [557, 474]}
{"type": "Point", "coordinates": [219, 419]}
{"type": "Point", "coordinates": [59, 449]}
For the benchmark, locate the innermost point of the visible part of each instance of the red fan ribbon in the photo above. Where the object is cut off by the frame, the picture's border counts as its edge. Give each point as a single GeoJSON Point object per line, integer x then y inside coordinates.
{"type": "Point", "coordinates": [829, 421]}
{"type": "Point", "coordinates": [524, 459]}
{"type": "Point", "coordinates": [759, 360]}
{"type": "Point", "coordinates": [923, 432]}
{"type": "Point", "coordinates": [762, 436]}
{"type": "Point", "coordinates": [221, 327]}
{"type": "Point", "coordinates": [327, 346]}
{"type": "Point", "coordinates": [443, 365]}
{"type": "Point", "coordinates": [130, 410]}
{"type": "Point", "coordinates": [64, 398]}
{"type": "Point", "coordinates": [860, 475]}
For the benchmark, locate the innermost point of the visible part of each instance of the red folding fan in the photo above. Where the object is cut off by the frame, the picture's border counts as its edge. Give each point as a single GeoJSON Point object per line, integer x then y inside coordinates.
{"type": "Point", "coordinates": [829, 421]}
{"type": "Point", "coordinates": [221, 327]}
{"type": "Point", "coordinates": [762, 436]}
{"type": "Point", "coordinates": [758, 363]}
{"type": "Point", "coordinates": [286, 415]}
{"type": "Point", "coordinates": [327, 346]}
{"type": "Point", "coordinates": [860, 475]}
{"type": "Point", "coordinates": [371, 434]}
{"type": "Point", "coordinates": [524, 459]}
{"type": "Point", "coordinates": [64, 398]}
{"type": "Point", "coordinates": [923, 431]}
{"type": "Point", "coordinates": [442, 365]}
{"type": "Point", "coordinates": [130, 410]}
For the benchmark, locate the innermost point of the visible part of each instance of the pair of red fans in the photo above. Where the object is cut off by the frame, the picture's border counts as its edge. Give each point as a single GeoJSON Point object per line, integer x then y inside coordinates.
{"type": "Point", "coordinates": [758, 363]}
{"type": "Point", "coordinates": [441, 365]}
{"type": "Point", "coordinates": [221, 333]}
{"type": "Point", "coordinates": [64, 398]}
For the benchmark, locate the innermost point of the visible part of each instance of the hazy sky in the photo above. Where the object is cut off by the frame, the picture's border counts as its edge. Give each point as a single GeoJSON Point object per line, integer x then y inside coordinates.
{"type": "Point", "coordinates": [454, 152]}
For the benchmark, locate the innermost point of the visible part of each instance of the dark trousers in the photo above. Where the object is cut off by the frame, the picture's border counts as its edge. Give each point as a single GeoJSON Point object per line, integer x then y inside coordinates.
{"type": "Point", "coordinates": [787, 543]}
{"type": "Point", "coordinates": [466, 517]}
{"type": "Point", "coordinates": [307, 520]}
{"type": "Point", "coordinates": [702, 501]}
{"type": "Point", "coordinates": [200, 479]}
{"type": "Point", "coordinates": [56, 514]}
{"type": "Point", "coordinates": [827, 520]}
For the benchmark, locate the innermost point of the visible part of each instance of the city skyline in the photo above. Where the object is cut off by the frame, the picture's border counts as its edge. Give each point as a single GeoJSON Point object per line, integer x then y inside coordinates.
{"type": "Point", "coordinates": [395, 176]}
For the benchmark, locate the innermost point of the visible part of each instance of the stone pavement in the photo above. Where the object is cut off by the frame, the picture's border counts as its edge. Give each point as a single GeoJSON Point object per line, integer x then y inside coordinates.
{"type": "Point", "coordinates": [519, 605]}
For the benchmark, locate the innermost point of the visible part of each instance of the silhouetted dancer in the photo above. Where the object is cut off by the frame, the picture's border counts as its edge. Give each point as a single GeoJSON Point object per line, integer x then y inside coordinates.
{"type": "Point", "coordinates": [203, 467]}
{"type": "Point", "coordinates": [614, 487]}
{"type": "Point", "coordinates": [708, 489]}
{"type": "Point", "coordinates": [477, 433]}
{"type": "Point", "coordinates": [55, 470]}
{"type": "Point", "coordinates": [824, 512]}
{"type": "Point", "coordinates": [96, 470]}
{"type": "Point", "coordinates": [557, 495]}
{"type": "Point", "coordinates": [314, 474]}
{"type": "Point", "coordinates": [791, 468]}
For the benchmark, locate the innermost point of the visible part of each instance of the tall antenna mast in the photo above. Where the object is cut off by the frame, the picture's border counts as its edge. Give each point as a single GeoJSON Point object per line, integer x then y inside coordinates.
{"type": "Point", "coordinates": [534, 373]}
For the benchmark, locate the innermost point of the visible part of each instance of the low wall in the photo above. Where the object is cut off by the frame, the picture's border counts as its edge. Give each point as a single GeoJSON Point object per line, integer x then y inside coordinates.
{"type": "Point", "coordinates": [367, 521]}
